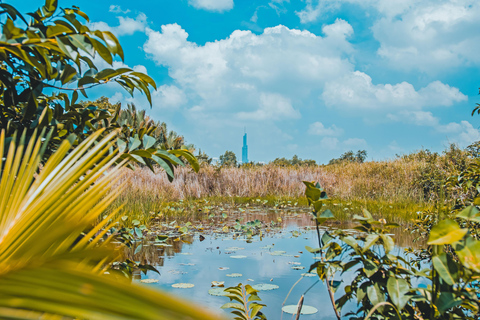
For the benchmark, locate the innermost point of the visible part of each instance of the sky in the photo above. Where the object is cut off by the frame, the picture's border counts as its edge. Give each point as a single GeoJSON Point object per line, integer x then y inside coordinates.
{"type": "Point", "coordinates": [313, 78]}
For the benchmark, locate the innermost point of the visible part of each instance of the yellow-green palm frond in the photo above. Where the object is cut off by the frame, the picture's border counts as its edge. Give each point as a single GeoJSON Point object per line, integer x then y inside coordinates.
{"type": "Point", "coordinates": [52, 248]}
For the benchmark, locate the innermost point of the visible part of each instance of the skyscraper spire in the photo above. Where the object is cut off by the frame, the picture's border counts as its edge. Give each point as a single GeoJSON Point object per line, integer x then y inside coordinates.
{"type": "Point", "coordinates": [245, 147]}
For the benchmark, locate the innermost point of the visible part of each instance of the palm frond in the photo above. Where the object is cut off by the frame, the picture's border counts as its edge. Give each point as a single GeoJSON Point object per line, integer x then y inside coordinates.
{"type": "Point", "coordinates": [52, 250]}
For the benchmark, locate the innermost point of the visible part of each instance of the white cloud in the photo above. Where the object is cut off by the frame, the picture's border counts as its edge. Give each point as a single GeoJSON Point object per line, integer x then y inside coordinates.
{"type": "Point", "coordinates": [329, 143]}
{"type": "Point", "coordinates": [117, 9]}
{"type": "Point", "coordinates": [212, 5]}
{"type": "Point", "coordinates": [272, 107]}
{"type": "Point", "coordinates": [317, 128]}
{"type": "Point", "coordinates": [355, 143]}
{"type": "Point", "coordinates": [426, 35]}
{"type": "Point", "coordinates": [168, 97]}
{"type": "Point", "coordinates": [462, 133]}
{"type": "Point", "coordinates": [431, 36]}
{"type": "Point", "coordinates": [356, 91]}
{"type": "Point", "coordinates": [419, 118]}
{"type": "Point", "coordinates": [126, 26]}
{"type": "Point", "coordinates": [234, 72]}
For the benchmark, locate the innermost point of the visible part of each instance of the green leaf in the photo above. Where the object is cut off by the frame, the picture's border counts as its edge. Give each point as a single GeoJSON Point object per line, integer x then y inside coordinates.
{"type": "Point", "coordinates": [326, 237]}
{"type": "Point", "coordinates": [312, 193]}
{"type": "Point", "coordinates": [447, 301]}
{"type": "Point", "coordinates": [375, 295]}
{"type": "Point", "coordinates": [388, 243]}
{"type": "Point", "coordinates": [133, 143]}
{"type": "Point", "coordinates": [233, 305]}
{"type": "Point", "coordinates": [397, 290]}
{"type": "Point", "coordinates": [446, 232]}
{"type": "Point", "coordinates": [148, 141]}
{"type": "Point", "coordinates": [469, 256]}
{"type": "Point", "coordinates": [188, 156]}
{"type": "Point", "coordinates": [312, 250]}
{"type": "Point", "coordinates": [327, 214]}
{"type": "Point", "coordinates": [470, 213]}
{"type": "Point", "coordinates": [446, 268]}
{"type": "Point", "coordinates": [167, 166]}
{"type": "Point", "coordinates": [370, 241]}
{"type": "Point", "coordinates": [370, 268]}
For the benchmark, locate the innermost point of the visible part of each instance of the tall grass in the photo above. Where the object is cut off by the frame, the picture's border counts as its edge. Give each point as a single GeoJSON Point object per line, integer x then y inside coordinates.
{"type": "Point", "coordinates": [414, 179]}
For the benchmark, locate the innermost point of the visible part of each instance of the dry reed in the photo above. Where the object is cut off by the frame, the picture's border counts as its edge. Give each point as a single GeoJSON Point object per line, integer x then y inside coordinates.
{"type": "Point", "coordinates": [394, 181]}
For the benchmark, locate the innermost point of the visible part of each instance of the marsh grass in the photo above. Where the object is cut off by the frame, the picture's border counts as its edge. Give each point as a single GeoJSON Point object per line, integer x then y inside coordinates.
{"type": "Point", "coordinates": [389, 189]}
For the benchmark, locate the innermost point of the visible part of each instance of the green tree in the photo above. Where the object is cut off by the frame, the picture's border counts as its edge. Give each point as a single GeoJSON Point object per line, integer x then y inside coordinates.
{"type": "Point", "coordinates": [54, 50]}
{"type": "Point", "coordinates": [228, 159]}
{"type": "Point", "coordinates": [202, 157]}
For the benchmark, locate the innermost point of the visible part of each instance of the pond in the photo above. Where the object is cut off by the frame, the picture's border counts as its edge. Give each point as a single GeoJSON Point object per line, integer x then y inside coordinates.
{"type": "Point", "coordinates": [275, 256]}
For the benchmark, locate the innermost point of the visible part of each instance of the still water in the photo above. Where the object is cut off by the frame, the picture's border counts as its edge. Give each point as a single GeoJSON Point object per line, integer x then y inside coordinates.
{"type": "Point", "coordinates": [276, 257]}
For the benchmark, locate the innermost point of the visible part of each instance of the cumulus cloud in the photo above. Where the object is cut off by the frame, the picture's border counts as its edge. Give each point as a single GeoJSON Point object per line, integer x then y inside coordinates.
{"type": "Point", "coordinates": [126, 26]}
{"type": "Point", "coordinates": [212, 5]}
{"type": "Point", "coordinates": [431, 36]}
{"type": "Point", "coordinates": [329, 143]}
{"type": "Point", "coordinates": [356, 91]}
{"type": "Point", "coordinates": [427, 35]}
{"type": "Point", "coordinates": [355, 143]}
{"type": "Point", "coordinates": [419, 118]}
{"type": "Point", "coordinates": [317, 128]}
{"type": "Point", "coordinates": [272, 107]}
{"type": "Point", "coordinates": [462, 133]}
{"type": "Point", "coordinates": [235, 71]}
{"type": "Point", "coordinates": [117, 9]}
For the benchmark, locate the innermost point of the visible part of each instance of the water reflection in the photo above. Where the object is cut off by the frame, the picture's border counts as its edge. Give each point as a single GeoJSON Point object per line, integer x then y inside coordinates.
{"type": "Point", "coordinates": [205, 255]}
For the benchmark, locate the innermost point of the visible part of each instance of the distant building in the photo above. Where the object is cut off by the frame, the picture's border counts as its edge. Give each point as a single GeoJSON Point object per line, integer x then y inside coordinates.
{"type": "Point", "coordinates": [245, 149]}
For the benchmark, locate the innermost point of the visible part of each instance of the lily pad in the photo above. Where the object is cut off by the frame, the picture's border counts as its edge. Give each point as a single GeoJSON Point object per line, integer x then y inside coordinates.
{"type": "Point", "coordinates": [278, 253]}
{"type": "Point", "coordinates": [265, 286]}
{"type": "Point", "coordinates": [298, 267]}
{"type": "Point", "coordinates": [218, 283]}
{"type": "Point", "coordinates": [234, 275]}
{"type": "Point", "coordinates": [309, 274]}
{"type": "Point", "coordinates": [149, 281]}
{"type": "Point", "coordinates": [292, 309]}
{"type": "Point", "coordinates": [183, 285]}
{"type": "Point", "coordinates": [217, 292]}
{"type": "Point", "coordinates": [234, 248]}
{"type": "Point", "coordinates": [238, 257]}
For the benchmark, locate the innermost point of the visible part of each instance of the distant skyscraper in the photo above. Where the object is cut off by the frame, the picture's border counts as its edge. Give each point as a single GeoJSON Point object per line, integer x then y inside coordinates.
{"type": "Point", "coordinates": [245, 149]}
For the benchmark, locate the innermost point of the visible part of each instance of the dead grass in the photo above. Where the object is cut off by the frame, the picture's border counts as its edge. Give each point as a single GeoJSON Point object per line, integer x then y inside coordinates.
{"type": "Point", "coordinates": [393, 181]}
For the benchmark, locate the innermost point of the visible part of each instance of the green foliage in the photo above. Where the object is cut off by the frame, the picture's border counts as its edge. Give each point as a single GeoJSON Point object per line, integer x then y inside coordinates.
{"type": "Point", "coordinates": [350, 156]}
{"type": "Point", "coordinates": [295, 161]}
{"type": "Point", "coordinates": [203, 158]}
{"type": "Point", "coordinates": [56, 248]}
{"type": "Point", "coordinates": [55, 47]}
{"type": "Point", "coordinates": [387, 285]}
{"type": "Point", "coordinates": [228, 159]}
{"type": "Point", "coordinates": [245, 307]}
{"type": "Point", "coordinates": [55, 50]}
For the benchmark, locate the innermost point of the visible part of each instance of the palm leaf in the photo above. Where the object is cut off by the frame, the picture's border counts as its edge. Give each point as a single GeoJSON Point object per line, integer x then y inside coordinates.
{"type": "Point", "coordinates": [49, 267]}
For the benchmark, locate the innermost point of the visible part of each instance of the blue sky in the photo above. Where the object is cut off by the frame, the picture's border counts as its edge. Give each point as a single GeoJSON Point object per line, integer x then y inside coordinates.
{"type": "Point", "coordinates": [306, 77]}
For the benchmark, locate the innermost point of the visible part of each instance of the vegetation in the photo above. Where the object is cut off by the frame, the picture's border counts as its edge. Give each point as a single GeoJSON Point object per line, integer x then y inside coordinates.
{"type": "Point", "coordinates": [228, 159]}
{"type": "Point", "coordinates": [54, 248]}
{"type": "Point", "coordinates": [295, 161]}
{"type": "Point", "coordinates": [64, 187]}
{"type": "Point", "coordinates": [54, 50]}
{"type": "Point", "coordinates": [350, 156]}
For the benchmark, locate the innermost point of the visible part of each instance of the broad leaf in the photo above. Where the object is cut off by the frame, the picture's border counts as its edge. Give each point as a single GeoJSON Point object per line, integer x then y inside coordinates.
{"type": "Point", "coordinates": [446, 232]}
